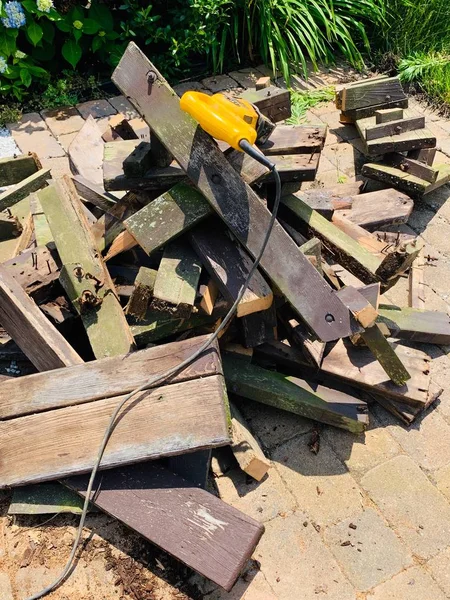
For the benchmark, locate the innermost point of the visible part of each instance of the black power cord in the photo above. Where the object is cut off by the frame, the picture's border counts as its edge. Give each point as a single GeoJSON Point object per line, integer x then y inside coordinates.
{"type": "Point", "coordinates": [254, 153]}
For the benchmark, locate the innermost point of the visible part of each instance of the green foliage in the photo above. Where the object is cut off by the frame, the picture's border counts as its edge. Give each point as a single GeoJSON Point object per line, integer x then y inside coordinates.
{"type": "Point", "coordinates": [9, 113]}
{"type": "Point", "coordinates": [301, 102]}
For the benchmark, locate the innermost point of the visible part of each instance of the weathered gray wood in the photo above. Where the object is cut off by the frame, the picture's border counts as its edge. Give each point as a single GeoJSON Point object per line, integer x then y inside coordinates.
{"type": "Point", "coordinates": [426, 155]}
{"type": "Point", "coordinates": [229, 265]}
{"type": "Point", "coordinates": [363, 310]}
{"type": "Point", "coordinates": [404, 181]}
{"type": "Point", "coordinates": [416, 291]}
{"type": "Point", "coordinates": [370, 93]}
{"type": "Point", "coordinates": [192, 525]}
{"type": "Point", "coordinates": [184, 416]}
{"type": "Point", "coordinates": [325, 202]}
{"type": "Point", "coordinates": [415, 324]}
{"type": "Point", "coordinates": [295, 139]}
{"type": "Point", "coordinates": [236, 203]}
{"type": "Point", "coordinates": [294, 395]}
{"type": "Point", "coordinates": [351, 116]}
{"type": "Point", "coordinates": [393, 128]}
{"type": "Point", "coordinates": [412, 167]}
{"type": "Point", "coordinates": [299, 335]}
{"type": "Point", "coordinates": [177, 280]}
{"type": "Point", "coordinates": [388, 114]}
{"type": "Point", "coordinates": [295, 167]}
{"type": "Point", "coordinates": [273, 102]}
{"type": "Point", "coordinates": [30, 329]}
{"type": "Point", "coordinates": [13, 169]}
{"type": "Point", "coordinates": [80, 383]}
{"type": "Point", "coordinates": [313, 249]}
{"type": "Point", "coordinates": [42, 233]}
{"type": "Point", "coordinates": [84, 274]}
{"type": "Point", "coordinates": [94, 194]}
{"type": "Point", "coordinates": [245, 448]}
{"type": "Point", "coordinates": [403, 142]}
{"type": "Point", "coordinates": [88, 164]}
{"type": "Point", "coordinates": [23, 189]}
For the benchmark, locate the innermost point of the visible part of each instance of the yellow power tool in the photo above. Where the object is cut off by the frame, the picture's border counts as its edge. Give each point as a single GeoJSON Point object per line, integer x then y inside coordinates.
{"type": "Point", "coordinates": [232, 120]}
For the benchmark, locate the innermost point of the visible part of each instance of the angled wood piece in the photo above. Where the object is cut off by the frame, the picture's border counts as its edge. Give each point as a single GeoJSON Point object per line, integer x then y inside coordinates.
{"type": "Point", "coordinates": [359, 234]}
{"type": "Point", "coordinates": [299, 335]}
{"type": "Point", "coordinates": [415, 324]}
{"type": "Point", "coordinates": [14, 169]}
{"type": "Point", "coordinates": [376, 209]}
{"type": "Point", "coordinates": [411, 166]}
{"type": "Point", "coordinates": [294, 167]}
{"type": "Point", "coordinates": [26, 237]}
{"type": "Point", "coordinates": [233, 200]}
{"type": "Point", "coordinates": [425, 156]}
{"type": "Point", "coordinates": [195, 527]}
{"type": "Point", "coordinates": [88, 164]}
{"type": "Point", "coordinates": [370, 93]}
{"type": "Point", "coordinates": [245, 448]}
{"type": "Point", "coordinates": [185, 416]}
{"type": "Point", "coordinates": [259, 327]}
{"type": "Point", "coordinates": [84, 275]}
{"type": "Point", "coordinates": [404, 181]}
{"type": "Point", "coordinates": [229, 265]}
{"type": "Point", "coordinates": [387, 115]}
{"type": "Point", "coordinates": [142, 293]}
{"type": "Point", "coordinates": [364, 312]}
{"type": "Point", "coordinates": [294, 395]}
{"type": "Point", "coordinates": [208, 293]}
{"type": "Point", "coordinates": [392, 128]}
{"type": "Point", "coordinates": [23, 189]}
{"type": "Point", "coordinates": [94, 194]}
{"type": "Point", "coordinates": [30, 329]}
{"type": "Point", "coordinates": [177, 279]}
{"type": "Point", "coordinates": [295, 139]}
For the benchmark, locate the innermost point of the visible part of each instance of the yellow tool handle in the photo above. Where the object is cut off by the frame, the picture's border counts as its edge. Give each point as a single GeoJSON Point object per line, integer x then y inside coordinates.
{"type": "Point", "coordinates": [227, 119]}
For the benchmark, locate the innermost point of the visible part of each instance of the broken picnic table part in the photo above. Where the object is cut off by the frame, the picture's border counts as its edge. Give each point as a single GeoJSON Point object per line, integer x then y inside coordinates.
{"type": "Point", "coordinates": [65, 448]}
{"type": "Point", "coordinates": [24, 188]}
{"type": "Point", "coordinates": [272, 102]}
{"type": "Point", "coordinates": [402, 180]}
{"type": "Point", "coordinates": [142, 293]}
{"type": "Point", "coordinates": [17, 168]}
{"type": "Point", "coordinates": [236, 203]}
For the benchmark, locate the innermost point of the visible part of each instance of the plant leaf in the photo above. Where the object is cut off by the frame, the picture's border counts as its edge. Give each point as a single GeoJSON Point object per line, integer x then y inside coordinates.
{"type": "Point", "coordinates": [25, 76]}
{"type": "Point", "coordinates": [35, 33]}
{"type": "Point", "coordinates": [72, 52]}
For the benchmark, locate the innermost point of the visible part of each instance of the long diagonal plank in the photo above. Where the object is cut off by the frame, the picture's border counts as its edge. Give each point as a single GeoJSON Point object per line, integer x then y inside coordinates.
{"type": "Point", "coordinates": [236, 203]}
{"type": "Point", "coordinates": [187, 522]}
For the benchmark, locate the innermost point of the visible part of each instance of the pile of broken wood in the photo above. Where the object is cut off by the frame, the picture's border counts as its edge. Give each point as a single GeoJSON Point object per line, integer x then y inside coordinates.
{"type": "Point", "coordinates": [99, 291]}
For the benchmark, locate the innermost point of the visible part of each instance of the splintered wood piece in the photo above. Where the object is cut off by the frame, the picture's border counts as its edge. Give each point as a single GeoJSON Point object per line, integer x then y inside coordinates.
{"type": "Point", "coordinates": [14, 169]}
{"type": "Point", "coordinates": [105, 378]}
{"type": "Point", "coordinates": [375, 132]}
{"type": "Point", "coordinates": [259, 327]}
{"type": "Point", "coordinates": [88, 164]}
{"type": "Point", "coordinates": [85, 277]}
{"type": "Point", "coordinates": [30, 329]}
{"type": "Point", "coordinates": [295, 139]}
{"type": "Point", "coordinates": [404, 181]}
{"type": "Point", "coordinates": [94, 194]}
{"type": "Point", "coordinates": [412, 167]}
{"type": "Point", "coordinates": [416, 325]}
{"type": "Point", "coordinates": [209, 293]}
{"type": "Point", "coordinates": [376, 209]}
{"type": "Point", "coordinates": [142, 293]}
{"type": "Point", "coordinates": [358, 367]}
{"type": "Point", "coordinates": [185, 416]}
{"type": "Point", "coordinates": [176, 282]}
{"type": "Point", "coordinates": [245, 448]}
{"type": "Point", "coordinates": [26, 237]}
{"type": "Point", "coordinates": [273, 102]}
{"type": "Point", "coordinates": [229, 265]}
{"type": "Point", "coordinates": [416, 292]}
{"type": "Point", "coordinates": [10, 227]}
{"type": "Point", "coordinates": [388, 114]}
{"type": "Point", "coordinates": [294, 395]}
{"type": "Point", "coordinates": [426, 155]}
{"type": "Point", "coordinates": [235, 202]}
{"type": "Point", "coordinates": [195, 527]}
{"type": "Point", "coordinates": [262, 82]}
{"type": "Point", "coordinates": [23, 189]}
{"type": "Point", "coordinates": [370, 93]}
{"type": "Point", "coordinates": [364, 312]}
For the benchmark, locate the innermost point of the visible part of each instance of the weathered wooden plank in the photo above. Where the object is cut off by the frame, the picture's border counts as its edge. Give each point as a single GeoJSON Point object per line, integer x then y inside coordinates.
{"type": "Point", "coordinates": [94, 194]}
{"type": "Point", "coordinates": [139, 161]}
{"type": "Point", "coordinates": [229, 265]}
{"type": "Point", "coordinates": [235, 202]}
{"type": "Point", "coordinates": [259, 327]}
{"type": "Point", "coordinates": [295, 167]}
{"type": "Point", "coordinates": [393, 128]}
{"type": "Point", "coordinates": [295, 139]}
{"type": "Point", "coordinates": [105, 378]}
{"type": "Point", "coordinates": [142, 293]}
{"type": "Point", "coordinates": [426, 155]}
{"type": "Point", "coordinates": [192, 525]}
{"type": "Point", "coordinates": [415, 324]}
{"type": "Point", "coordinates": [176, 282]}
{"type": "Point", "coordinates": [30, 329]}
{"type": "Point", "coordinates": [88, 164]}
{"type": "Point", "coordinates": [351, 116]}
{"type": "Point", "coordinates": [363, 311]}
{"type": "Point", "coordinates": [403, 181]}
{"type": "Point", "coordinates": [410, 140]}
{"type": "Point", "coordinates": [376, 209]}
{"type": "Point", "coordinates": [84, 275]}
{"type": "Point", "coordinates": [388, 114]}
{"type": "Point", "coordinates": [185, 416]}
{"type": "Point", "coordinates": [36, 270]}
{"type": "Point", "coordinates": [273, 102]}
{"type": "Point", "coordinates": [359, 234]}
{"type": "Point", "coordinates": [370, 93]}
{"type": "Point", "coordinates": [245, 448]}
{"type": "Point", "coordinates": [42, 231]}
{"type": "Point", "coordinates": [325, 202]}
{"type": "Point", "coordinates": [23, 189]}
{"type": "Point", "coordinates": [299, 335]}
{"type": "Point", "coordinates": [294, 395]}
{"type": "Point", "coordinates": [412, 167]}
{"type": "Point", "coordinates": [26, 237]}
{"type": "Point", "coordinates": [13, 169]}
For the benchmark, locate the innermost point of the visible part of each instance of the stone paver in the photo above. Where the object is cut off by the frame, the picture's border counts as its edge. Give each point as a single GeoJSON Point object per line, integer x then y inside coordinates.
{"type": "Point", "coordinates": [219, 83]}
{"type": "Point", "coordinates": [32, 135]}
{"type": "Point", "coordinates": [96, 108]}
{"type": "Point", "coordinates": [320, 483]}
{"type": "Point", "coordinates": [124, 106]}
{"type": "Point", "coordinates": [442, 479]}
{"type": "Point", "coordinates": [246, 78]}
{"type": "Point", "coordinates": [253, 586]}
{"type": "Point", "coordinates": [439, 567]}
{"type": "Point", "coordinates": [346, 132]}
{"type": "Point", "coordinates": [59, 166]}
{"type": "Point", "coordinates": [5, 587]}
{"type": "Point", "coordinates": [66, 139]}
{"type": "Point", "coordinates": [63, 120]}
{"type": "Point", "coordinates": [367, 550]}
{"type": "Point", "coordinates": [363, 452]}
{"type": "Point", "coordinates": [297, 564]}
{"type": "Point", "coordinates": [412, 505]}
{"type": "Point", "coordinates": [412, 584]}
{"type": "Point", "coordinates": [262, 500]}
{"type": "Point", "coordinates": [188, 86]}
{"type": "Point", "coordinates": [345, 157]}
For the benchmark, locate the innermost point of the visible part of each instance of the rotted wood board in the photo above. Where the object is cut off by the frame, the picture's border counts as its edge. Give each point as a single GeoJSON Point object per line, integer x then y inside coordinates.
{"type": "Point", "coordinates": [195, 527]}
{"type": "Point", "coordinates": [236, 203]}
{"type": "Point", "coordinates": [184, 417]}
{"type": "Point", "coordinates": [105, 378]}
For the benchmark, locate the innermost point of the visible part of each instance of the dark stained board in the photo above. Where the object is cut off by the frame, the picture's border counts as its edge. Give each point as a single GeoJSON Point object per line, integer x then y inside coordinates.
{"type": "Point", "coordinates": [235, 202]}
{"type": "Point", "coordinates": [377, 131]}
{"type": "Point", "coordinates": [273, 102]}
{"type": "Point", "coordinates": [370, 93]}
{"type": "Point", "coordinates": [411, 166]}
{"type": "Point", "coordinates": [404, 181]}
{"type": "Point", "coordinates": [351, 116]}
{"type": "Point", "coordinates": [295, 139]}
{"type": "Point", "coordinates": [192, 525]}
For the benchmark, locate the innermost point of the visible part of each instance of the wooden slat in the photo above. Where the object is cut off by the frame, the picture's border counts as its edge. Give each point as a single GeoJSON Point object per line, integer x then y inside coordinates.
{"type": "Point", "coordinates": [187, 522]}
{"type": "Point", "coordinates": [416, 291]}
{"type": "Point", "coordinates": [411, 166]}
{"type": "Point", "coordinates": [229, 265]}
{"type": "Point", "coordinates": [30, 329]}
{"type": "Point", "coordinates": [403, 181]}
{"type": "Point", "coordinates": [85, 272]}
{"type": "Point", "coordinates": [184, 417]}
{"type": "Point", "coordinates": [351, 116]}
{"type": "Point", "coordinates": [88, 164]}
{"type": "Point", "coordinates": [393, 128]}
{"type": "Point", "coordinates": [13, 169]}
{"type": "Point", "coordinates": [388, 114]}
{"type": "Point", "coordinates": [235, 202]}
{"type": "Point", "coordinates": [23, 189]}
{"type": "Point", "coordinates": [245, 448]}
{"type": "Point", "coordinates": [295, 139]}
{"type": "Point", "coordinates": [415, 324]}
{"type": "Point", "coordinates": [371, 93]}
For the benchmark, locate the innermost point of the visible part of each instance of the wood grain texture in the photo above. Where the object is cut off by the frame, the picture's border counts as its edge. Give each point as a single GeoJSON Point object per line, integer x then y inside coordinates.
{"type": "Point", "coordinates": [388, 114]}
{"type": "Point", "coordinates": [192, 525]}
{"type": "Point", "coordinates": [403, 181]}
{"type": "Point", "coordinates": [411, 166]}
{"type": "Point", "coordinates": [30, 329]}
{"type": "Point", "coordinates": [351, 116]}
{"type": "Point", "coordinates": [235, 202]}
{"type": "Point", "coordinates": [229, 265]}
{"type": "Point", "coordinates": [246, 450]}
{"type": "Point", "coordinates": [23, 189]}
{"type": "Point", "coordinates": [103, 378]}
{"type": "Point", "coordinates": [392, 128]}
{"type": "Point", "coordinates": [415, 324]}
{"type": "Point", "coordinates": [167, 421]}
{"type": "Point", "coordinates": [371, 93]}
{"type": "Point", "coordinates": [88, 164]}
{"type": "Point", "coordinates": [295, 139]}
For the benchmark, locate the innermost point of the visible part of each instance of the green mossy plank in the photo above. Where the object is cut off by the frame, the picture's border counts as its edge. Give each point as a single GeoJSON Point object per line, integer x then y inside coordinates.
{"type": "Point", "coordinates": [23, 189]}
{"type": "Point", "coordinates": [416, 325]}
{"type": "Point", "coordinates": [15, 169]}
{"type": "Point", "coordinates": [402, 181]}
{"type": "Point", "coordinates": [103, 317]}
{"type": "Point", "coordinates": [45, 498]}
{"type": "Point", "coordinates": [42, 230]}
{"type": "Point", "coordinates": [294, 395]}
{"type": "Point", "coordinates": [385, 354]}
